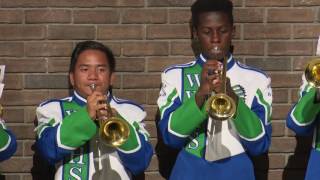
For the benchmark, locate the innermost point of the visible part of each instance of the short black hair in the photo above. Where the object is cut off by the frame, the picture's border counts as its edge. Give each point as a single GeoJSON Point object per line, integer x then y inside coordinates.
{"type": "Point", "coordinates": [201, 6]}
{"type": "Point", "coordinates": [91, 45]}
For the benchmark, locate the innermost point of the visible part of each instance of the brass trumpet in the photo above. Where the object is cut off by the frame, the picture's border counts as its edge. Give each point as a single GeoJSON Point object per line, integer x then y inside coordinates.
{"type": "Point", "coordinates": [312, 72]}
{"type": "Point", "coordinates": [221, 106]}
{"type": "Point", "coordinates": [113, 131]}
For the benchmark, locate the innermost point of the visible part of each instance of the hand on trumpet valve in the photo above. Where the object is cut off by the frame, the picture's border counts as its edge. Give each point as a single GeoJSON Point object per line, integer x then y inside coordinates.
{"type": "Point", "coordinates": [95, 107]}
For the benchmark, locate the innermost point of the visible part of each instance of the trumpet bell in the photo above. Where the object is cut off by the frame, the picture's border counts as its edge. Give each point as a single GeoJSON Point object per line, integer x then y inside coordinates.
{"type": "Point", "coordinates": [114, 131]}
{"type": "Point", "coordinates": [312, 72]}
{"type": "Point", "coordinates": [221, 107]}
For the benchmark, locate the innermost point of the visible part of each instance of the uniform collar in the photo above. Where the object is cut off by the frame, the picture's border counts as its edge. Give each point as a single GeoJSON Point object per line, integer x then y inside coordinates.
{"type": "Point", "coordinates": [83, 101]}
{"type": "Point", "coordinates": [202, 59]}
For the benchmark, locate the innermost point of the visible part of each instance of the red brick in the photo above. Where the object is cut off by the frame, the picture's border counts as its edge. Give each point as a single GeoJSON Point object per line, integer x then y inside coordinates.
{"type": "Point", "coordinates": [130, 65]}
{"type": "Point", "coordinates": [20, 98]}
{"type": "Point", "coordinates": [36, 49]}
{"type": "Point", "coordinates": [27, 148]}
{"type": "Point", "coordinates": [56, 65]}
{"type": "Point", "coordinates": [269, 31]}
{"type": "Point", "coordinates": [270, 64]}
{"type": "Point", "coordinates": [278, 129]}
{"type": "Point", "coordinates": [152, 48]}
{"type": "Point", "coordinates": [282, 145]}
{"type": "Point", "coordinates": [16, 165]}
{"type": "Point", "coordinates": [64, 32]}
{"type": "Point", "coordinates": [59, 93]}
{"type": "Point", "coordinates": [280, 111]}
{"type": "Point", "coordinates": [151, 112]}
{"type": "Point", "coordinates": [23, 3]}
{"type": "Point", "coordinates": [96, 16]}
{"type": "Point", "coordinates": [293, 48]}
{"type": "Point", "coordinates": [152, 96]}
{"type": "Point", "coordinates": [153, 166]}
{"type": "Point", "coordinates": [15, 32]}
{"type": "Point", "coordinates": [170, 3]}
{"type": "Point", "coordinates": [121, 3]}
{"type": "Point", "coordinates": [159, 64]}
{"type": "Point", "coordinates": [275, 175]}
{"type": "Point", "coordinates": [277, 161]}
{"type": "Point", "coordinates": [114, 46]}
{"type": "Point", "coordinates": [280, 95]}
{"type": "Point", "coordinates": [48, 16]}
{"type": "Point", "coordinates": [295, 95]}
{"type": "Point", "coordinates": [24, 131]}
{"type": "Point", "coordinates": [11, 16]}
{"type": "Point", "coordinates": [153, 176]}
{"type": "Point", "coordinates": [168, 31]}
{"type": "Point", "coordinates": [181, 48]}
{"type": "Point", "coordinates": [306, 3]}
{"type": "Point", "coordinates": [24, 65]}
{"type": "Point", "coordinates": [120, 32]}
{"type": "Point", "coordinates": [179, 16]}
{"type": "Point", "coordinates": [248, 15]}
{"type": "Point", "coordinates": [306, 31]}
{"type": "Point", "coordinates": [12, 49]}
{"type": "Point", "coordinates": [151, 128]}
{"type": "Point", "coordinates": [248, 47]}
{"type": "Point", "coordinates": [45, 81]}
{"type": "Point", "coordinates": [141, 81]}
{"type": "Point", "coordinates": [137, 96]}
{"type": "Point", "coordinates": [13, 81]}
{"type": "Point", "coordinates": [291, 15]}
{"type": "Point", "coordinates": [30, 113]}
{"type": "Point", "coordinates": [13, 115]}
{"type": "Point", "coordinates": [72, 3]}
{"type": "Point", "coordinates": [263, 3]}
{"type": "Point", "coordinates": [285, 80]}
{"type": "Point", "coordinates": [300, 63]}
{"type": "Point", "coordinates": [146, 16]}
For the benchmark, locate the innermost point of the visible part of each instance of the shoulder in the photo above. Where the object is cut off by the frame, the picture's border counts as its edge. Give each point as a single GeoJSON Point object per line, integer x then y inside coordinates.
{"type": "Point", "coordinates": [177, 67]}
{"type": "Point", "coordinates": [257, 73]}
{"type": "Point", "coordinates": [54, 102]}
{"type": "Point", "coordinates": [128, 109]}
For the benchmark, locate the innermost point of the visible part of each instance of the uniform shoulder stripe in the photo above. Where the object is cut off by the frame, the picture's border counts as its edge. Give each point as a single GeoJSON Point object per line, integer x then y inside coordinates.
{"type": "Point", "coordinates": [243, 66]}
{"type": "Point", "coordinates": [124, 101]}
{"type": "Point", "coordinates": [68, 99]}
{"type": "Point", "coordinates": [179, 66]}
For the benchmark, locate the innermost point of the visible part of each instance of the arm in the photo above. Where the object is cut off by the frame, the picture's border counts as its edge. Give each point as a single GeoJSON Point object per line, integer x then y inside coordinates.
{"type": "Point", "coordinates": [253, 123]}
{"type": "Point", "coordinates": [8, 143]}
{"type": "Point", "coordinates": [136, 152]}
{"type": "Point", "coordinates": [58, 136]}
{"type": "Point", "coordinates": [303, 115]}
{"type": "Point", "coordinates": [177, 120]}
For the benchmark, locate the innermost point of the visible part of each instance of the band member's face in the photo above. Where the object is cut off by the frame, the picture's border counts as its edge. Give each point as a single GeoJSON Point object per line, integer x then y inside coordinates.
{"type": "Point", "coordinates": [92, 67]}
{"type": "Point", "coordinates": [215, 33]}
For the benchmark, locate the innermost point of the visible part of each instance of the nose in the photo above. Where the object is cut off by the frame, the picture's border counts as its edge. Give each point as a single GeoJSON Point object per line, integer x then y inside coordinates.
{"type": "Point", "coordinates": [215, 37]}
{"type": "Point", "coordinates": [93, 74]}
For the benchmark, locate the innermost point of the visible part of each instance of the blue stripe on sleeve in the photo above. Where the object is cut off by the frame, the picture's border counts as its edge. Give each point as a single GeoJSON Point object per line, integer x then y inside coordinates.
{"type": "Point", "coordinates": [48, 148]}
{"type": "Point", "coordinates": [11, 149]}
{"type": "Point", "coordinates": [138, 161]}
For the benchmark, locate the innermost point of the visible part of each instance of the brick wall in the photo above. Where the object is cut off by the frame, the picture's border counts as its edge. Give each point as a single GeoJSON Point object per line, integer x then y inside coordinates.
{"type": "Point", "coordinates": [37, 37]}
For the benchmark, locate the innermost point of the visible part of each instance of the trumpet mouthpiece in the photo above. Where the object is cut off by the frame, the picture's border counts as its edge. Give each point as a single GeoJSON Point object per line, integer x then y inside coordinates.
{"type": "Point", "coordinates": [92, 87]}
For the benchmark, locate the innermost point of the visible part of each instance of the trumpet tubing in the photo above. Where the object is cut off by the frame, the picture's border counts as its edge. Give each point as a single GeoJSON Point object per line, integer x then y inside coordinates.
{"type": "Point", "coordinates": [114, 131]}
{"type": "Point", "coordinates": [312, 72]}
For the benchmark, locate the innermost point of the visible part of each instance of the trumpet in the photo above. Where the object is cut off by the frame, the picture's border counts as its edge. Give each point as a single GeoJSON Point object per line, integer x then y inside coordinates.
{"type": "Point", "coordinates": [220, 106]}
{"type": "Point", "coordinates": [312, 72]}
{"type": "Point", "coordinates": [113, 131]}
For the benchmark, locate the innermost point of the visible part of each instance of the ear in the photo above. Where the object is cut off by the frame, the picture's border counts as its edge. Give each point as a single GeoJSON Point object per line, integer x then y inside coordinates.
{"type": "Point", "coordinates": [71, 79]}
{"type": "Point", "coordinates": [233, 31]}
{"type": "Point", "coordinates": [112, 78]}
{"type": "Point", "coordinates": [194, 33]}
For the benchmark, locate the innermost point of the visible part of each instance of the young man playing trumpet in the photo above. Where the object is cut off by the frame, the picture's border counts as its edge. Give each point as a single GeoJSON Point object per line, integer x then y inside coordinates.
{"type": "Point", "coordinates": [212, 146]}
{"type": "Point", "coordinates": [68, 128]}
{"type": "Point", "coordinates": [304, 117]}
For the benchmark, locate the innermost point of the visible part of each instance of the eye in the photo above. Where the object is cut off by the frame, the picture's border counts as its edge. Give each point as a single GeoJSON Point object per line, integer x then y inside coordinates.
{"type": "Point", "coordinates": [83, 69]}
{"type": "Point", "coordinates": [102, 69]}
